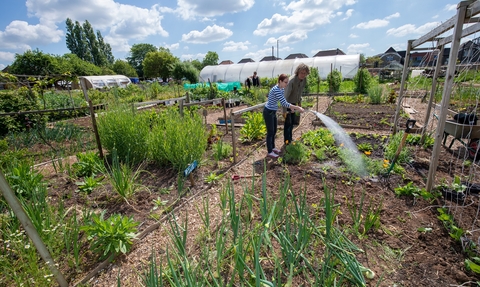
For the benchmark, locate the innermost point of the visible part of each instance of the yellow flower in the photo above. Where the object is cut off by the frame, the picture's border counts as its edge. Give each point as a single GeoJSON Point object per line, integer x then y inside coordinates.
{"type": "Point", "coordinates": [293, 143]}
{"type": "Point", "coordinates": [367, 152]}
{"type": "Point", "coordinates": [386, 161]}
{"type": "Point", "coordinates": [385, 165]}
{"type": "Point", "coordinates": [286, 141]}
{"type": "Point", "coordinates": [341, 144]}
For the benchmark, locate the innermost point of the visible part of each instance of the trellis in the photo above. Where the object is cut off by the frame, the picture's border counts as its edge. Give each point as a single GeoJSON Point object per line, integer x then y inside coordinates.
{"type": "Point", "coordinates": [466, 14]}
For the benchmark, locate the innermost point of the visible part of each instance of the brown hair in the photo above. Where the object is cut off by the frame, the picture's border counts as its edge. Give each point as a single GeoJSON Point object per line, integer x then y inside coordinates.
{"type": "Point", "coordinates": [282, 78]}
{"type": "Point", "coordinates": [302, 67]}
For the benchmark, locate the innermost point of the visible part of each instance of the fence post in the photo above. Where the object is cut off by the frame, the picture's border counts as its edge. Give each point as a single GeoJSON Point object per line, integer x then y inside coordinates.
{"type": "Point", "coordinates": [225, 115]}
{"type": "Point", "coordinates": [232, 122]}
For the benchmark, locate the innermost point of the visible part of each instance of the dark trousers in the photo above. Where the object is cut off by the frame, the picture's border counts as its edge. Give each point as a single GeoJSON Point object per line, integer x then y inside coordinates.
{"type": "Point", "coordinates": [270, 118]}
{"type": "Point", "coordinates": [288, 127]}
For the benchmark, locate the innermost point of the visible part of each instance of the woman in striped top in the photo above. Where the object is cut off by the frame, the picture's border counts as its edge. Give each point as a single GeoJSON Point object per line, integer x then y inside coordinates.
{"type": "Point", "coordinates": [275, 96]}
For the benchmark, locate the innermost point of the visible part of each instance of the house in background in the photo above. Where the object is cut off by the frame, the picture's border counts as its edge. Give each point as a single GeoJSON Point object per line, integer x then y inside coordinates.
{"type": "Point", "coordinates": [295, 56]}
{"type": "Point", "coordinates": [333, 52]}
{"type": "Point", "coordinates": [269, 58]}
{"type": "Point", "coordinates": [246, 60]}
{"type": "Point", "coordinates": [226, 62]}
{"type": "Point", "coordinates": [469, 52]}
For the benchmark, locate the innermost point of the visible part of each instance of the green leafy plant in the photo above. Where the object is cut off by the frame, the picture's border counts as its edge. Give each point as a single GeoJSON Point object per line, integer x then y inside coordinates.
{"type": "Point", "coordinates": [114, 235]}
{"type": "Point", "coordinates": [88, 164]}
{"type": "Point", "coordinates": [334, 79]}
{"type": "Point", "coordinates": [254, 127]}
{"type": "Point", "coordinates": [213, 177]}
{"type": "Point", "coordinates": [221, 150]}
{"type": "Point", "coordinates": [319, 138]}
{"type": "Point", "coordinates": [89, 184]}
{"type": "Point", "coordinates": [296, 153]}
{"type": "Point", "coordinates": [362, 80]}
{"type": "Point", "coordinates": [363, 147]}
{"type": "Point", "coordinates": [123, 178]}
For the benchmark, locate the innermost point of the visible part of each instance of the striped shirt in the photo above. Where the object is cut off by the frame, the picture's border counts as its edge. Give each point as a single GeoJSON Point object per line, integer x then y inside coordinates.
{"type": "Point", "coordinates": [274, 96]}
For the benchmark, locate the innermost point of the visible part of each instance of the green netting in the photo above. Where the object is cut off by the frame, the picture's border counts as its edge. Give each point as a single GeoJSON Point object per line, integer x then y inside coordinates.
{"type": "Point", "coordinates": [227, 87]}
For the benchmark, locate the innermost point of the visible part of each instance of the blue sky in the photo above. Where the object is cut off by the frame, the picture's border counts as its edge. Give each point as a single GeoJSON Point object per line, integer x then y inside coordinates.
{"type": "Point", "coordinates": [235, 29]}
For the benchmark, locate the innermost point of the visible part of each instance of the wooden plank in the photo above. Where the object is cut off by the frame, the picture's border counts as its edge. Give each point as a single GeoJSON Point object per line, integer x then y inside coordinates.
{"type": "Point", "coordinates": [435, 32]}
{"type": "Point", "coordinates": [473, 9]}
{"type": "Point", "coordinates": [248, 109]}
{"type": "Point", "coordinates": [466, 32]}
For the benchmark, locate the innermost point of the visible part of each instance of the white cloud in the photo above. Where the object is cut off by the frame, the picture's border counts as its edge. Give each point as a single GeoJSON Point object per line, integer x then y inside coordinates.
{"type": "Point", "coordinates": [303, 15]}
{"type": "Point", "coordinates": [450, 7]}
{"type": "Point", "coordinates": [232, 46]}
{"type": "Point", "coordinates": [6, 56]}
{"type": "Point", "coordinates": [357, 48]}
{"type": "Point", "coordinates": [209, 34]}
{"type": "Point", "coordinates": [118, 23]}
{"type": "Point", "coordinates": [377, 23]}
{"type": "Point", "coordinates": [172, 47]}
{"type": "Point", "coordinates": [353, 36]}
{"type": "Point", "coordinates": [348, 14]}
{"type": "Point", "coordinates": [412, 29]}
{"type": "Point", "coordinates": [19, 35]}
{"type": "Point", "coordinates": [395, 15]}
{"type": "Point", "coordinates": [290, 38]}
{"type": "Point", "coordinates": [191, 9]}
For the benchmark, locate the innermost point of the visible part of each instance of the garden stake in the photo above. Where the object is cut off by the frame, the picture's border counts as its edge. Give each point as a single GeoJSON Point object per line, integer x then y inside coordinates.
{"type": "Point", "coordinates": [410, 124]}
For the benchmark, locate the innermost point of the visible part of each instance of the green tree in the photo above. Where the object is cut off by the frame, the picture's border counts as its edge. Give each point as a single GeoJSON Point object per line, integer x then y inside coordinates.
{"type": "Point", "coordinates": [121, 67]}
{"type": "Point", "coordinates": [82, 41]}
{"type": "Point", "coordinates": [35, 63]}
{"type": "Point", "coordinates": [77, 40]}
{"type": "Point", "coordinates": [158, 64]}
{"type": "Point", "coordinates": [197, 64]}
{"type": "Point", "coordinates": [374, 61]}
{"type": "Point", "coordinates": [362, 81]}
{"type": "Point", "coordinates": [72, 64]}
{"type": "Point", "coordinates": [185, 70]}
{"type": "Point", "coordinates": [211, 59]}
{"type": "Point", "coordinates": [137, 55]}
{"type": "Point", "coordinates": [313, 81]}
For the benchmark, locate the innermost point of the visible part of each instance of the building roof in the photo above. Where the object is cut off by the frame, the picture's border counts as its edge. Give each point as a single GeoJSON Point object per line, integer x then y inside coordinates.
{"type": "Point", "coordinates": [246, 60]}
{"type": "Point", "coordinates": [333, 52]}
{"type": "Point", "coordinates": [226, 62]}
{"type": "Point", "coordinates": [295, 56]}
{"type": "Point", "coordinates": [269, 58]}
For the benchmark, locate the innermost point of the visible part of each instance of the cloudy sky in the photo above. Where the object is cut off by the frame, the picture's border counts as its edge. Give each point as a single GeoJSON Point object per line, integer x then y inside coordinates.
{"type": "Point", "coordinates": [235, 29]}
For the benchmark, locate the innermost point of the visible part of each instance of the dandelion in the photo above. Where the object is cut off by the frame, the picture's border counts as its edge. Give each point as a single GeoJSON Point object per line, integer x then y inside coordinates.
{"type": "Point", "coordinates": [385, 165]}
{"type": "Point", "coordinates": [367, 152]}
{"type": "Point", "coordinates": [386, 161]}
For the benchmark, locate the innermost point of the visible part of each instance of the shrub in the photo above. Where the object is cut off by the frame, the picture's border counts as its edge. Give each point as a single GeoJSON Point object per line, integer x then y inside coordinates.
{"type": "Point", "coordinates": [221, 150]}
{"type": "Point", "coordinates": [375, 94]}
{"type": "Point", "coordinates": [334, 80]}
{"type": "Point", "coordinates": [362, 81]}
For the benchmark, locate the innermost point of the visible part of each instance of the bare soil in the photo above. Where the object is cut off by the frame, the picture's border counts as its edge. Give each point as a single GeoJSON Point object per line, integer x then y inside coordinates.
{"type": "Point", "coordinates": [399, 254]}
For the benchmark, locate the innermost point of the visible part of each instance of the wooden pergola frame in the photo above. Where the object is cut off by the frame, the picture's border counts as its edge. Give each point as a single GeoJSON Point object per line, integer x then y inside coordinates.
{"type": "Point", "coordinates": [466, 14]}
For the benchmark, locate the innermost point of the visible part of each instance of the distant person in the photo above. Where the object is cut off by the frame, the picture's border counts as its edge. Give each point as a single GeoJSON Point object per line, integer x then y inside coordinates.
{"type": "Point", "coordinates": [293, 94]}
{"type": "Point", "coordinates": [248, 83]}
{"type": "Point", "coordinates": [270, 113]}
{"type": "Point", "coordinates": [255, 80]}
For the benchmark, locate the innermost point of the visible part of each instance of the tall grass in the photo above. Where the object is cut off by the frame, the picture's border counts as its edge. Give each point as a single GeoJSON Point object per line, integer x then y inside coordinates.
{"type": "Point", "coordinates": [124, 130]}
{"type": "Point", "coordinates": [177, 140]}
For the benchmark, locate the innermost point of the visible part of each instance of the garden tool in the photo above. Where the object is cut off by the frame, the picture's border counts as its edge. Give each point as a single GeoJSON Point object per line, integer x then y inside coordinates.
{"type": "Point", "coordinates": [410, 124]}
{"type": "Point", "coordinates": [236, 177]}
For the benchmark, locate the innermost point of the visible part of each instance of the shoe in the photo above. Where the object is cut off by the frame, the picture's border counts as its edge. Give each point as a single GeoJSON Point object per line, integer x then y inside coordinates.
{"type": "Point", "coordinates": [272, 155]}
{"type": "Point", "coordinates": [276, 150]}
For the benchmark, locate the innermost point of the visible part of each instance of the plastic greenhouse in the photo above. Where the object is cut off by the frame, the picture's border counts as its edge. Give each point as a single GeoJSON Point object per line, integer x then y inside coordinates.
{"type": "Point", "coordinates": [109, 81]}
{"type": "Point", "coordinates": [346, 64]}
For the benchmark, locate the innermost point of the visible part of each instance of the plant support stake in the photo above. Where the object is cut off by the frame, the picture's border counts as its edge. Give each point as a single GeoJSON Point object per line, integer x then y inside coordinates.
{"type": "Point", "coordinates": [27, 224]}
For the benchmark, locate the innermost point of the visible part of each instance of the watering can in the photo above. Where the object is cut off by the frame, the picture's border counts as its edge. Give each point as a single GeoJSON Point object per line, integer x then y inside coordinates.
{"type": "Point", "coordinates": [410, 124]}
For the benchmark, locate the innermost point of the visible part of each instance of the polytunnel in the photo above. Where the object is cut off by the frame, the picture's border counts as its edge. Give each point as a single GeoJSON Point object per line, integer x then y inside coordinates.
{"type": "Point", "coordinates": [346, 64]}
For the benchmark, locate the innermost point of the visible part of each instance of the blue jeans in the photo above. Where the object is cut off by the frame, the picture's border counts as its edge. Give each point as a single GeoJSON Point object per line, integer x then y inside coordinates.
{"type": "Point", "coordinates": [270, 118]}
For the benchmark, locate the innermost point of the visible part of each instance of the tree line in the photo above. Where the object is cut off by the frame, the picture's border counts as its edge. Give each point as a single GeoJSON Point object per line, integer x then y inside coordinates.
{"type": "Point", "coordinates": [90, 55]}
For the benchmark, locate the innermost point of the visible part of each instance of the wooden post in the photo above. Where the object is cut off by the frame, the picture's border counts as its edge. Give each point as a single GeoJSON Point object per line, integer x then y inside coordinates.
{"type": "Point", "coordinates": [225, 115]}
{"type": "Point", "coordinates": [92, 114]}
{"type": "Point", "coordinates": [27, 224]}
{"type": "Point", "coordinates": [180, 106]}
{"type": "Point", "coordinates": [432, 93]}
{"type": "Point", "coordinates": [447, 89]}
{"type": "Point", "coordinates": [232, 122]}
{"type": "Point", "coordinates": [402, 86]}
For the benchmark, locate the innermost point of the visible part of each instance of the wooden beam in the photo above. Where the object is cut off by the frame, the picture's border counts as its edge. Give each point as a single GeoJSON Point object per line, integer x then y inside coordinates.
{"type": "Point", "coordinates": [435, 32]}
{"type": "Point", "coordinates": [472, 10]}
{"type": "Point", "coordinates": [466, 32]}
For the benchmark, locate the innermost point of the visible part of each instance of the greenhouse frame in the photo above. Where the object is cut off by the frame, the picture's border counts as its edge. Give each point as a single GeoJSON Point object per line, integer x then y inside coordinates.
{"type": "Point", "coordinates": [347, 64]}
